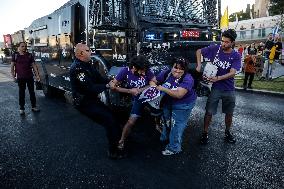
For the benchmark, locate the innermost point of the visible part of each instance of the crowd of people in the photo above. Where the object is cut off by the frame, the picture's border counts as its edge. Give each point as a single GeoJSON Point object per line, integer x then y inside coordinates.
{"type": "Point", "coordinates": [252, 31]}
{"type": "Point", "coordinates": [177, 85]}
{"type": "Point", "coordinates": [260, 59]}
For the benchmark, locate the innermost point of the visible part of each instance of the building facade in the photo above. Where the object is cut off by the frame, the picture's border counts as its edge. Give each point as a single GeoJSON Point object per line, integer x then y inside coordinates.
{"type": "Point", "coordinates": [261, 8]}
{"type": "Point", "coordinates": [17, 37]}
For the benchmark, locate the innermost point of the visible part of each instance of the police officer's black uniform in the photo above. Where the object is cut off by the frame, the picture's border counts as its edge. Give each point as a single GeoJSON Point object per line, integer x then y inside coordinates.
{"type": "Point", "coordinates": [87, 83]}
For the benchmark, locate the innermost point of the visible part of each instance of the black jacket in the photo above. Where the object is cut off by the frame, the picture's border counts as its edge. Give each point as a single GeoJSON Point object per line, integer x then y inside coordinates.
{"type": "Point", "coordinates": [86, 81]}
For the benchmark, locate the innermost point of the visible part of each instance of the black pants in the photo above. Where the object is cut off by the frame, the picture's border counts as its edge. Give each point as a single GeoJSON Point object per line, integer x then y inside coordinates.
{"type": "Point", "coordinates": [249, 76]}
{"type": "Point", "coordinates": [101, 114]}
{"type": "Point", "coordinates": [22, 83]}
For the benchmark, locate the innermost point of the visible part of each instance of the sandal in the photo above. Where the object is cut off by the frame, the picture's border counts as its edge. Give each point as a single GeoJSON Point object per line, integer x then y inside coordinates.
{"type": "Point", "coordinates": [121, 153]}
{"type": "Point", "coordinates": [120, 145]}
{"type": "Point", "coordinates": [159, 128]}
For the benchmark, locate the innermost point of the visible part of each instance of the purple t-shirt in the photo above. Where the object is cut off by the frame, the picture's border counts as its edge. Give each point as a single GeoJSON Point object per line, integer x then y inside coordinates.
{"type": "Point", "coordinates": [134, 81]}
{"type": "Point", "coordinates": [187, 83]}
{"type": "Point", "coordinates": [23, 65]}
{"type": "Point", "coordinates": [224, 61]}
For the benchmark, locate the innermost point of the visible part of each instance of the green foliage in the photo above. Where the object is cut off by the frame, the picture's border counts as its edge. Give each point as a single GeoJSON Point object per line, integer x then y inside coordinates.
{"type": "Point", "coordinates": [276, 85]}
{"type": "Point", "coordinates": [276, 7]}
{"type": "Point", "coordinates": [6, 51]}
{"type": "Point", "coordinates": [241, 16]}
{"type": "Point", "coordinates": [14, 48]}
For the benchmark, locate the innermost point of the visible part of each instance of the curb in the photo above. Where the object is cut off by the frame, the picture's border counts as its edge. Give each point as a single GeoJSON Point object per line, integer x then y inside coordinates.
{"type": "Point", "coordinates": [4, 63]}
{"type": "Point", "coordinates": [272, 93]}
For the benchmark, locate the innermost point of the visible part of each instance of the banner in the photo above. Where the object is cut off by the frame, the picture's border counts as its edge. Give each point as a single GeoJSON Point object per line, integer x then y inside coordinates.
{"type": "Point", "coordinates": [224, 23]}
{"type": "Point", "coordinates": [210, 71]}
{"type": "Point", "coordinates": [275, 30]}
{"type": "Point", "coordinates": [7, 40]}
{"type": "Point", "coordinates": [153, 96]}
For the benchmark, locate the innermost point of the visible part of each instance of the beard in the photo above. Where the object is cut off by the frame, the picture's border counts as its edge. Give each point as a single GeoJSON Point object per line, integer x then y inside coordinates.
{"type": "Point", "coordinates": [225, 48]}
{"type": "Point", "coordinates": [136, 73]}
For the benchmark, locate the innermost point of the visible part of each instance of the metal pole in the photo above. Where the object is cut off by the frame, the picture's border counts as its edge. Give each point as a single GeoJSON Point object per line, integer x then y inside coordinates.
{"type": "Point", "coordinates": [101, 12]}
{"type": "Point", "coordinates": [219, 13]}
{"type": "Point", "coordinates": [87, 22]}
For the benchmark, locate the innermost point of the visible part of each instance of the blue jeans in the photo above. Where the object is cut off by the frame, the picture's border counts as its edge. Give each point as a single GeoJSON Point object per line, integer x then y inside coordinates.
{"type": "Point", "coordinates": [174, 123]}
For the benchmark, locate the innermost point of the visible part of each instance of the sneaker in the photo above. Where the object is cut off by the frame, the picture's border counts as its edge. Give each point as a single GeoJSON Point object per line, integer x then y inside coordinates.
{"type": "Point", "coordinates": [229, 137]}
{"type": "Point", "coordinates": [249, 87]}
{"type": "Point", "coordinates": [22, 112]}
{"type": "Point", "coordinates": [168, 153]}
{"type": "Point", "coordinates": [35, 109]}
{"type": "Point", "coordinates": [262, 78]}
{"type": "Point", "coordinates": [204, 138]}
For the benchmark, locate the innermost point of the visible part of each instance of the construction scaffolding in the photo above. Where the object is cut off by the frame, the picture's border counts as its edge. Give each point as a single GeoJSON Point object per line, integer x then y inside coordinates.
{"type": "Point", "coordinates": [114, 12]}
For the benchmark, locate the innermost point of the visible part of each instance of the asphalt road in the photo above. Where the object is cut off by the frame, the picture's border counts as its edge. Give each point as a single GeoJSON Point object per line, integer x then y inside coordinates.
{"type": "Point", "coordinates": [61, 148]}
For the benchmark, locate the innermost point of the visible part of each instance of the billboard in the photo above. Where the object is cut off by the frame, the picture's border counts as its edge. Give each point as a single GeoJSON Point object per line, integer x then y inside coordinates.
{"type": "Point", "coordinates": [7, 41]}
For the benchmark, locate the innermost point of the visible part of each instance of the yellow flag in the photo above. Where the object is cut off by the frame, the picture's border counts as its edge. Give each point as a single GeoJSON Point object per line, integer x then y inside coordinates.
{"type": "Point", "coordinates": [224, 23]}
{"type": "Point", "coordinates": [272, 54]}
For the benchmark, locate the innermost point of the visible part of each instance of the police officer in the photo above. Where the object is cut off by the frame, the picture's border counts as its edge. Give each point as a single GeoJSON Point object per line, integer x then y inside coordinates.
{"type": "Point", "coordinates": [87, 83]}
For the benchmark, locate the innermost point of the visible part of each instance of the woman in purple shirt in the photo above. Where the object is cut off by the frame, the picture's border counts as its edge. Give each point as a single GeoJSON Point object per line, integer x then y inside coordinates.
{"type": "Point", "coordinates": [178, 103]}
{"type": "Point", "coordinates": [137, 77]}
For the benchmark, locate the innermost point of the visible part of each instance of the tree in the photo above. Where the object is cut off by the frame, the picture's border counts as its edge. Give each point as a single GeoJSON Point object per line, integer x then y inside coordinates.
{"type": "Point", "coordinates": [276, 7]}
{"type": "Point", "coordinates": [241, 16]}
{"type": "Point", "coordinates": [6, 52]}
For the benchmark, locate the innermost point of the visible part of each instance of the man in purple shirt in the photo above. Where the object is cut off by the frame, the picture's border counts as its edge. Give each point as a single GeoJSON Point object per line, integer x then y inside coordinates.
{"type": "Point", "coordinates": [228, 62]}
{"type": "Point", "coordinates": [23, 68]}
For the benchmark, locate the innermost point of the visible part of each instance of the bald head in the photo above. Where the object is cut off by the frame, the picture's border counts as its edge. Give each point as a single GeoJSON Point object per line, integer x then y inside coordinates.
{"type": "Point", "coordinates": [82, 52]}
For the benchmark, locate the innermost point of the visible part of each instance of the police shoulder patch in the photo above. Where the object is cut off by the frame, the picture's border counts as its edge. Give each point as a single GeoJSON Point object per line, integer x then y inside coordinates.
{"type": "Point", "coordinates": [81, 76]}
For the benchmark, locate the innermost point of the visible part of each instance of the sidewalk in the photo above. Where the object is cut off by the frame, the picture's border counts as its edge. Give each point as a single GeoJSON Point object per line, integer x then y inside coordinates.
{"type": "Point", "coordinates": [274, 93]}
{"type": "Point", "coordinates": [278, 71]}
{"type": "Point", "coordinates": [5, 75]}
